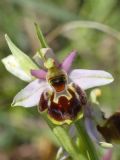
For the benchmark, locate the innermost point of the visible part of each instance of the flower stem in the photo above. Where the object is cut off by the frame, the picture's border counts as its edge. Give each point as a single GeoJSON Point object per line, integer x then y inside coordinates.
{"type": "Point", "coordinates": [87, 144]}
{"type": "Point", "coordinates": [65, 140]}
{"type": "Point", "coordinates": [40, 36]}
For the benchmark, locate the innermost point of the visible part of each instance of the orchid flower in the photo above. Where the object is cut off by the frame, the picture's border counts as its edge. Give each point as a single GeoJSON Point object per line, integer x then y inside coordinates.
{"type": "Point", "coordinates": [50, 85]}
{"type": "Point", "coordinates": [53, 86]}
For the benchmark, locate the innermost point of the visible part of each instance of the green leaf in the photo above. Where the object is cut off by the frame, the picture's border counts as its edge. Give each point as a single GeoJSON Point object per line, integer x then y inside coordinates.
{"type": "Point", "coordinates": [24, 61]}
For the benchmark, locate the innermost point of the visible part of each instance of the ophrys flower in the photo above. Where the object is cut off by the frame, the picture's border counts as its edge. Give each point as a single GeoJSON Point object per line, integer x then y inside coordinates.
{"type": "Point", "coordinates": [55, 88]}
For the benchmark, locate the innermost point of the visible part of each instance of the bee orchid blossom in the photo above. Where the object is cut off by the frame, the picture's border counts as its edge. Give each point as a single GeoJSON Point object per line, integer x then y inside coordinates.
{"type": "Point", "coordinates": [54, 87]}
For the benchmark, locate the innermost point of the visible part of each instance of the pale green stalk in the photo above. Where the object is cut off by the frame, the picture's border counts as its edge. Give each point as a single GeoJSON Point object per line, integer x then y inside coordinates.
{"type": "Point", "coordinates": [41, 37]}
{"type": "Point", "coordinates": [88, 146]}
{"type": "Point", "coordinates": [65, 139]}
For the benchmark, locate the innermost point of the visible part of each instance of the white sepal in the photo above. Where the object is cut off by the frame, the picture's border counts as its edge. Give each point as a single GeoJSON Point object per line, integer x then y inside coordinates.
{"type": "Point", "coordinates": [24, 61]}
{"type": "Point", "coordinates": [13, 67]}
{"type": "Point", "coordinates": [30, 95]}
{"type": "Point", "coordinates": [90, 78]}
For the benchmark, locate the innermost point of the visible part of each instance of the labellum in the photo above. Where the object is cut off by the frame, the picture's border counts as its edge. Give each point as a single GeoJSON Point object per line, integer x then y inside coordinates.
{"type": "Point", "coordinates": [65, 101]}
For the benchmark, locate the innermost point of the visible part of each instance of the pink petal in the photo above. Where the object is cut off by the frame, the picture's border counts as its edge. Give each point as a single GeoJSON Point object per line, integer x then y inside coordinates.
{"type": "Point", "coordinates": [90, 78]}
{"type": "Point", "coordinates": [108, 155]}
{"type": "Point", "coordinates": [67, 63]}
{"type": "Point", "coordinates": [40, 74]}
{"type": "Point", "coordinates": [30, 95]}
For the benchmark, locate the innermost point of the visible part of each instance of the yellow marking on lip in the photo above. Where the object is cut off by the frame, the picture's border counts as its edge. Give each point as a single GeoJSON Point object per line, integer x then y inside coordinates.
{"type": "Point", "coordinates": [67, 121]}
{"type": "Point", "coordinates": [65, 94]}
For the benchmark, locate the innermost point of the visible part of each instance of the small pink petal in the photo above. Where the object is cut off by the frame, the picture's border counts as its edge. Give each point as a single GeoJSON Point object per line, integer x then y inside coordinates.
{"type": "Point", "coordinates": [108, 155]}
{"type": "Point", "coordinates": [67, 63]}
{"type": "Point", "coordinates": [40, 74]}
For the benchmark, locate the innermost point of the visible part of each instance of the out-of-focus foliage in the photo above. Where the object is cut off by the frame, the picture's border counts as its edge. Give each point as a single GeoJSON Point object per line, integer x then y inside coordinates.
{"type": "Point", "coordinates": [23, 135]}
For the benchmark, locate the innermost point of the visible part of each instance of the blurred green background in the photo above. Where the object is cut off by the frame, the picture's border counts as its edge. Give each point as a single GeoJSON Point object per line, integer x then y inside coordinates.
{"type": "Point", "coordinates": [23, 134]}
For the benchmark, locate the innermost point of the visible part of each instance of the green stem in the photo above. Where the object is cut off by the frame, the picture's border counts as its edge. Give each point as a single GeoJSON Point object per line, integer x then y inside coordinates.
{"type": "Point", "coordinates": [65, 140]}
{"type": "Point", "coordinates": [41, 37]}
{"type": "Point", "coordinates": [89, 147]}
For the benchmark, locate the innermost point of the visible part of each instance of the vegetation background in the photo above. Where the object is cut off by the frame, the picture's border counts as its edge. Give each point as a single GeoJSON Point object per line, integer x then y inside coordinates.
{"type": "Point", "coordinates": [23, 134]}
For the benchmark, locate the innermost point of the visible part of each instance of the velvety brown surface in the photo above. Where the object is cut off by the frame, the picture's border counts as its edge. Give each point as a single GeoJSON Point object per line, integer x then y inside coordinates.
{"type": "Point", "coordinates": [111, 129]}
{"type": "Point", "coordinates": [65, 108]}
